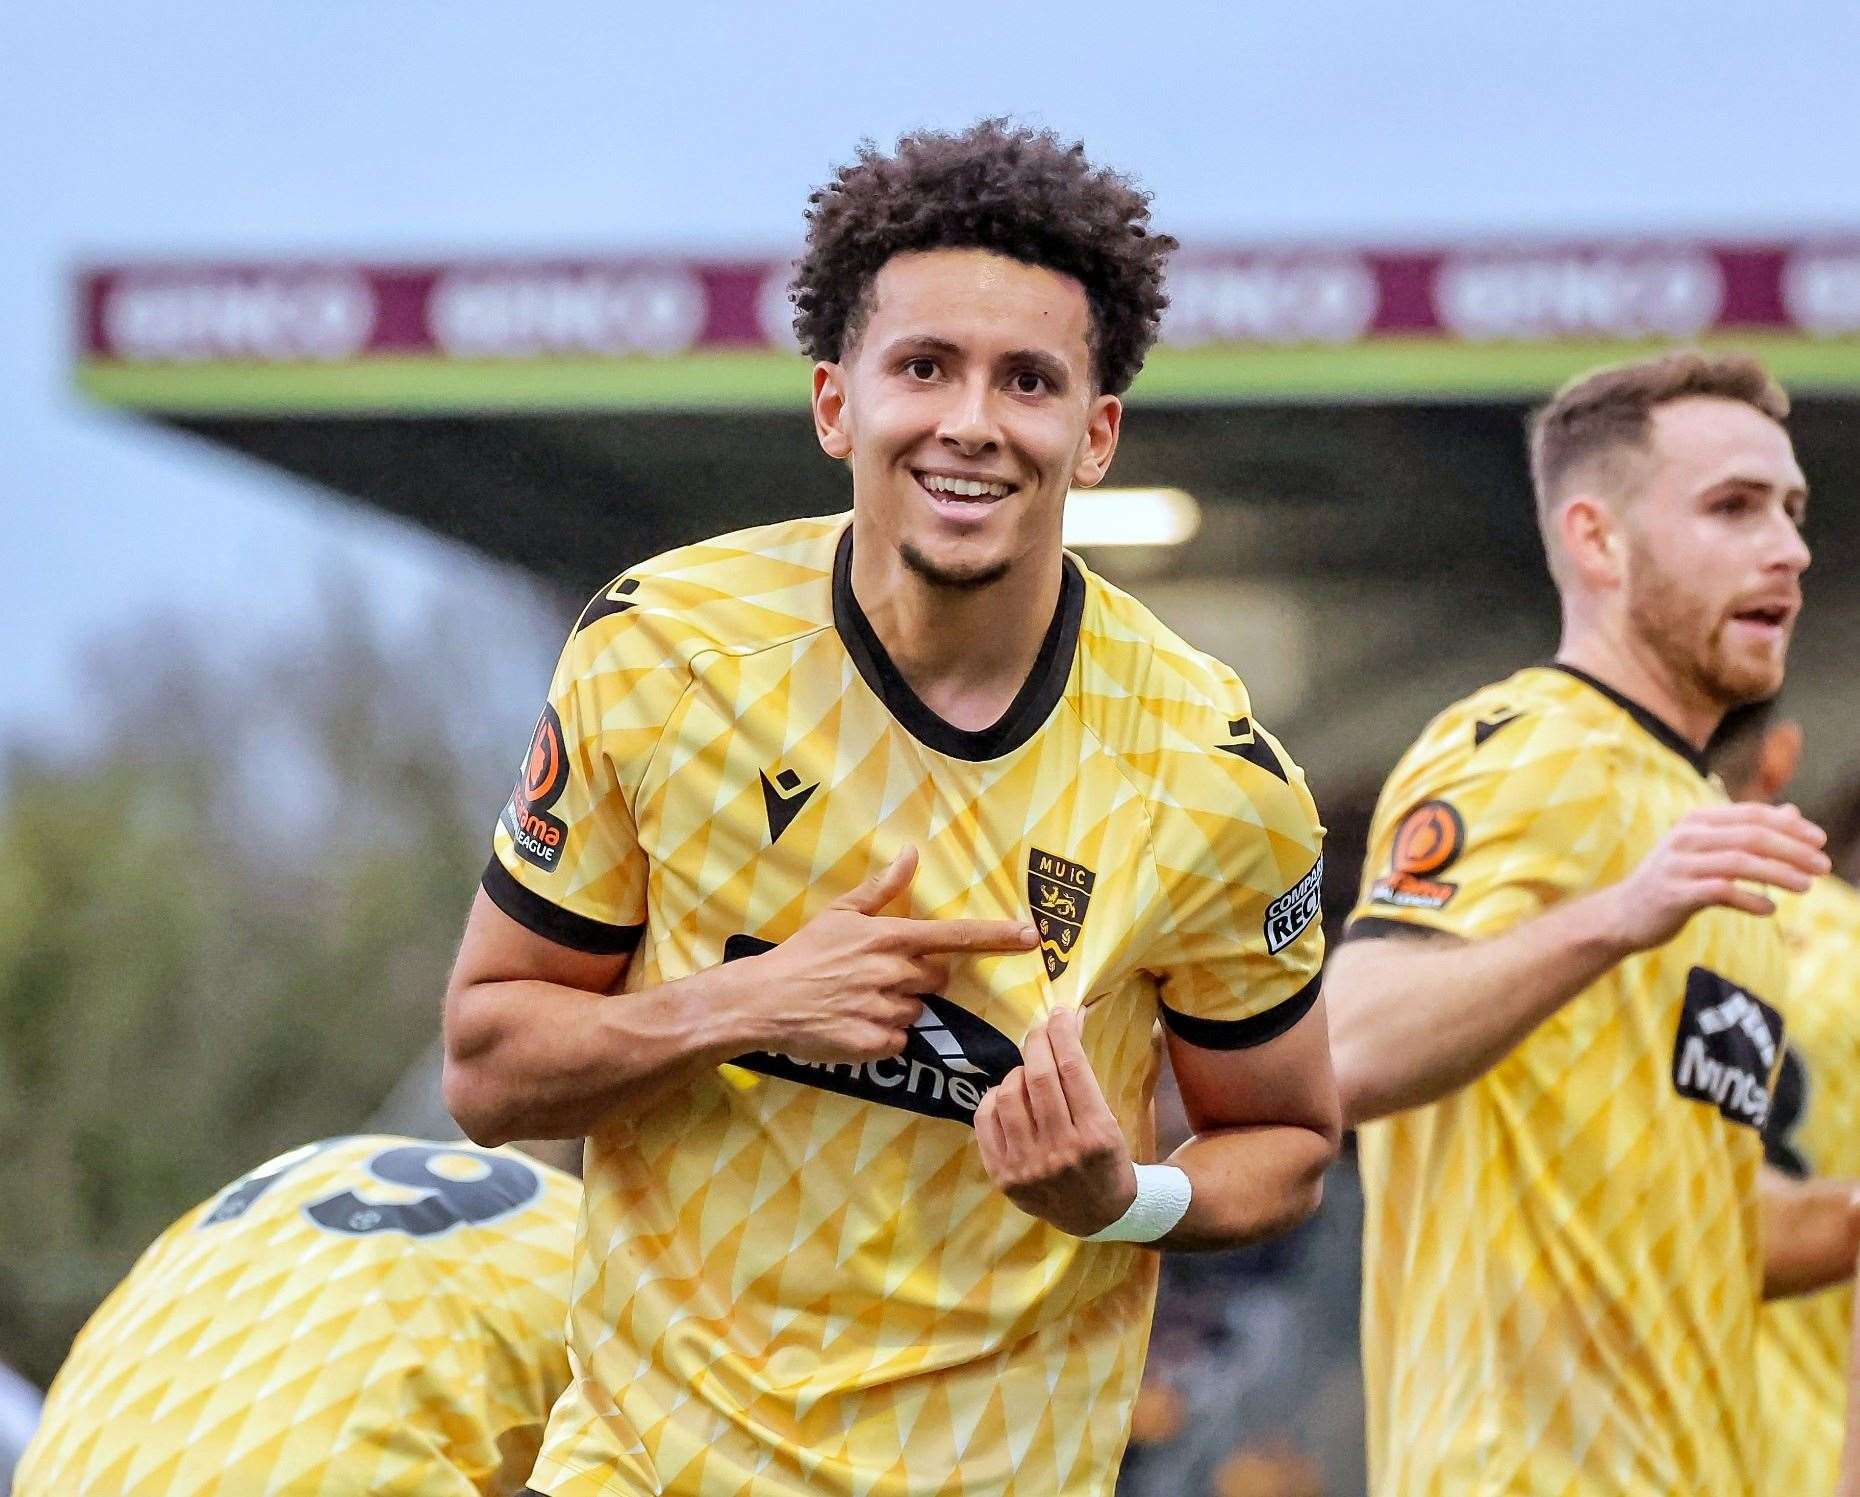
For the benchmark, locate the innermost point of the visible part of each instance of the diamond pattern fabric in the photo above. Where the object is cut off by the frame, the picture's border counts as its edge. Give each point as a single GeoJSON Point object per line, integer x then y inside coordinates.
{"type": "Point", "coordinates": [411, 1350]}
{"type": "Point", "coordinates": [798, 1279]}
{"type": "Point", "coordinates": [1562, 1261]}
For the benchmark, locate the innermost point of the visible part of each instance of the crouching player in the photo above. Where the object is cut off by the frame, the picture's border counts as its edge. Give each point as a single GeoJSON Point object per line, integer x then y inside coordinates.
{"type": "Point", "coordinates": [375, 1314]}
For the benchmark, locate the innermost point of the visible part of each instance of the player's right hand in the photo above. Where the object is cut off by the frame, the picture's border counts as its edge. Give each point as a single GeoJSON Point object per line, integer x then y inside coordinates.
{"type": "Point", "coordinates": [848, 984]}
{"type": "Point", "coordinates": [1710, 858]}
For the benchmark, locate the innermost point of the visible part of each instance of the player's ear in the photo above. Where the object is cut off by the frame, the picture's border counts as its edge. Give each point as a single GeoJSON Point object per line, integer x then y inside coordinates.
{"type": "Point", "coordinates": [1589, 532]}
{"type": "Point", "coordinates": [830, 410]}
{"type": "Point", "coordinates": [1100, 446]}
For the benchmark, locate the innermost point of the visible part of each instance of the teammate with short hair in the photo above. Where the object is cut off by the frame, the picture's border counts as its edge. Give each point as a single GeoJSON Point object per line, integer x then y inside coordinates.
{"type": "Point", "coordinates": [1811, 1140]}
{"type": "Point", "coordinates": [372, 1314]}
{"type": "Point", "coordinates": [1558, 994]}
{"type": "Point", "coordinates": [919, 827]}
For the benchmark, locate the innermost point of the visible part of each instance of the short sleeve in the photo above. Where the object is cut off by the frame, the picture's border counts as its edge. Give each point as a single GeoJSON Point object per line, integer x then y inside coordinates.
{"type": "Point", "coordinates": [566, 860]}
{"type": "Point", "coordinates": [1470, 843]}
{"type": "Point", "coordinates": [1239, 855]}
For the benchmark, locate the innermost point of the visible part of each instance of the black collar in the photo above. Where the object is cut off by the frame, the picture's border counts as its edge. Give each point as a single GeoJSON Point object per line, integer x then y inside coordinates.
{"type": "Point", "coordinates": [1034, 703]}
{"type": "Point", "coordinates": [1657, 727]}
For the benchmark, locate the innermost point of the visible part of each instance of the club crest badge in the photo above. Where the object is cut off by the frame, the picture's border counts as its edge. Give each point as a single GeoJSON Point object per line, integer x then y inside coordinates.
{"type": "Point", "coordinates": [1057, 892]}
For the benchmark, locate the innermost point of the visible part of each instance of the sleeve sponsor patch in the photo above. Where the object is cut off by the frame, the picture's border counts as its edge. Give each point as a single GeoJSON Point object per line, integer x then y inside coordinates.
{"type": "Point", "coordinates": [538, 836]}
{"type": "Point", "coordinates": [1289, 914]}
{"type": "Point", "coordinates": [1428, 841]}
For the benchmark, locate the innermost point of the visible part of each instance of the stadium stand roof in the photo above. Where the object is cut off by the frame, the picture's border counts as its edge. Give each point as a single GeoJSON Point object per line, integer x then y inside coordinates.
{"type": "Point", "coordinates": [1366, 400]}
{"type": "Point", "coordinates": [1350, 419]}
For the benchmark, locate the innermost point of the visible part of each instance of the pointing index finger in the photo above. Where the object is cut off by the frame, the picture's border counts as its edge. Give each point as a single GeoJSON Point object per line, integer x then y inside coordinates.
{"type": "Point", "coordinates": [926, 936]}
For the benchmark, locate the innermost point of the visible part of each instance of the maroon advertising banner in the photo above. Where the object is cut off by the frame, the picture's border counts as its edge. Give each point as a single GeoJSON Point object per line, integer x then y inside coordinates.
{"type": "Point", "coordinates": [323, 312]}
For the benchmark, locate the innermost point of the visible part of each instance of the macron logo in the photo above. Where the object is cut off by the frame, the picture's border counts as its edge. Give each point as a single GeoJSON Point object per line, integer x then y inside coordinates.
{"type": "Point", "coordinates": [783, 798]}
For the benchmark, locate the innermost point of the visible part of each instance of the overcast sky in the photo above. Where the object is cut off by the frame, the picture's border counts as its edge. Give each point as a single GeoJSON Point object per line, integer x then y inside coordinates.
{"type": "Point", "coordinates": [349, 128]}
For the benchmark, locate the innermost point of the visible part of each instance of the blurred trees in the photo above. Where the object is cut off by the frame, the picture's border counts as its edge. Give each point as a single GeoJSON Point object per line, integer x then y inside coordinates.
{"type": "Point", "coordinates": [225, 925]}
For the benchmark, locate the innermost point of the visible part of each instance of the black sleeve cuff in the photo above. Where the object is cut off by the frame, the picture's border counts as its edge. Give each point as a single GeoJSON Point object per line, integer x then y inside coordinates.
{"type": "Point", "coordinates": [552, 922]}
{"type": "Point", "coordinates": [1243, 1034]}
{"type": "Point", "coordinates": [1374, 927]}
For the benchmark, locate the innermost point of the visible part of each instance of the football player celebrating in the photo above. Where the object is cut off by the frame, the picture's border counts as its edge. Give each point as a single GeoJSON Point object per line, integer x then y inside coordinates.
{"type": "Point", "coordinates": [1811, 1140]}
{"type": "Point", "coordinates": [369, 1314]}
{"type": "Point", "coordinates": [1568, 1025]}
{"type": "Point", "coordinates": [920, 827]}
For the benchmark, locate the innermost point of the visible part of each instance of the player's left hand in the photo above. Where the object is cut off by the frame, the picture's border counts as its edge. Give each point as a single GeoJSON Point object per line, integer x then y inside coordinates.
{"type": "Point", "coordinates": [1050, 1141]}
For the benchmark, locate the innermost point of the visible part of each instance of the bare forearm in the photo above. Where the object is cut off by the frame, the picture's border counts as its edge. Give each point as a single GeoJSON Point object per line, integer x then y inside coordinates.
{"type": "Point", "coordinates": [1412, 1020]}
{"type": "Point", "coordinates": [539, 1045]}
{"type": "Point", "coordinates": [532, 1059]}
{"type": "Point", "coordinates": [1811, 1233]}
{"type": "Point", "coordinates": [1249, 1184]}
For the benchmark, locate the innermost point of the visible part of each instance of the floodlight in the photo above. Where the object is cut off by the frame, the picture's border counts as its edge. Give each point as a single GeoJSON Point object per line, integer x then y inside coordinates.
{"type": "Point", "coordinates": [1130, 517]}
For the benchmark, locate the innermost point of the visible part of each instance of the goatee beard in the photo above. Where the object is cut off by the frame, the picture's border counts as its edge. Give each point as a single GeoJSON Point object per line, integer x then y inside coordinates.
{"type": "Point", "coordinates": [952, 579]}
{"type": "Point", "coordinates": [1661, 618]}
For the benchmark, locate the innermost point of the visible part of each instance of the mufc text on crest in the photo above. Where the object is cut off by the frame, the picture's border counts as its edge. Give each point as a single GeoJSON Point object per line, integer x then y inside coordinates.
{"type": "Point", "coordinates": [1058, 891]}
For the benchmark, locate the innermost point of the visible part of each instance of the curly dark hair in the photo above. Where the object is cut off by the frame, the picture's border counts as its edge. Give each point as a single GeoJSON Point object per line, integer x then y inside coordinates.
{"type": "Point", "coordinates": [1018, 191]}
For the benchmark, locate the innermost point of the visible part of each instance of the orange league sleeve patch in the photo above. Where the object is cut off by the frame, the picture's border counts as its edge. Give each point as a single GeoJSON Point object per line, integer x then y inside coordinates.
{"type": "Point", "coordinates": [538, 836]}
{"type": "Point", "coordinates": [1427, 842]}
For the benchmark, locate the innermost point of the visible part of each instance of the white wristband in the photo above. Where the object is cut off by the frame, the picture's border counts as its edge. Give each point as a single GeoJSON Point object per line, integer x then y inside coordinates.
{"type": "Point", "coordinates": [1162, 1198]}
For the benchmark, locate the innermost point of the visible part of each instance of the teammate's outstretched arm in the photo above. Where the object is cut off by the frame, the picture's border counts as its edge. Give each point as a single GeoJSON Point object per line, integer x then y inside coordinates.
{"type": "Point", "coordinates": [1413, 1020]}
{"type": "Point", "coordinates": [540, 1045]}
{"type": "Point", "coordinates": [1811, 1233]}
{"type": "Point", "coordinates": [1266, 1128]}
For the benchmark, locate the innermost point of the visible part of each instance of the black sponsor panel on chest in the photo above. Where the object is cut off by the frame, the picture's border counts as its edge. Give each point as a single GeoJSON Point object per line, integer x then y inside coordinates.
{"type": "Point", "coordinates": [1725, 1048]}
{"type": "Point", "coordinates": [1782, 1144]}
{"type": "Point", "coordinates": [951, 1059]}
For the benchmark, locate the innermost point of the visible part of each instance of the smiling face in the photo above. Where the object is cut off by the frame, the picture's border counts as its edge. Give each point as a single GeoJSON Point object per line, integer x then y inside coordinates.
{"type": "Point", "coordinates": [1714, 555]}
{"type": "Point", "coordinates": [967, 410]}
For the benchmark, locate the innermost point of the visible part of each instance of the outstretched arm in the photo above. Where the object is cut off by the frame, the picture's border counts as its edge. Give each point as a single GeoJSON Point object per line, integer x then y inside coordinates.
{"type": "Point", "coordinates": [1413, 1020]}
{"type": "Point", "coordinates": [1417, 1014]}
{"type": "Point", "coordinates": [1811, 1233]}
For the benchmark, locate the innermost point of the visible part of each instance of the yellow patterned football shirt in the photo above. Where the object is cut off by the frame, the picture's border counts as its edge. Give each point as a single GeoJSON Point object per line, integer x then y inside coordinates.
{"type": "Point", "coordinates": [371, 1314]}
{"type": "Point", "coordinates": [1561, 1261]}
{"type": "Point", "coordinates": [797, 1278]}
{"type": "Point", "coordinates": [1814, 1129]}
